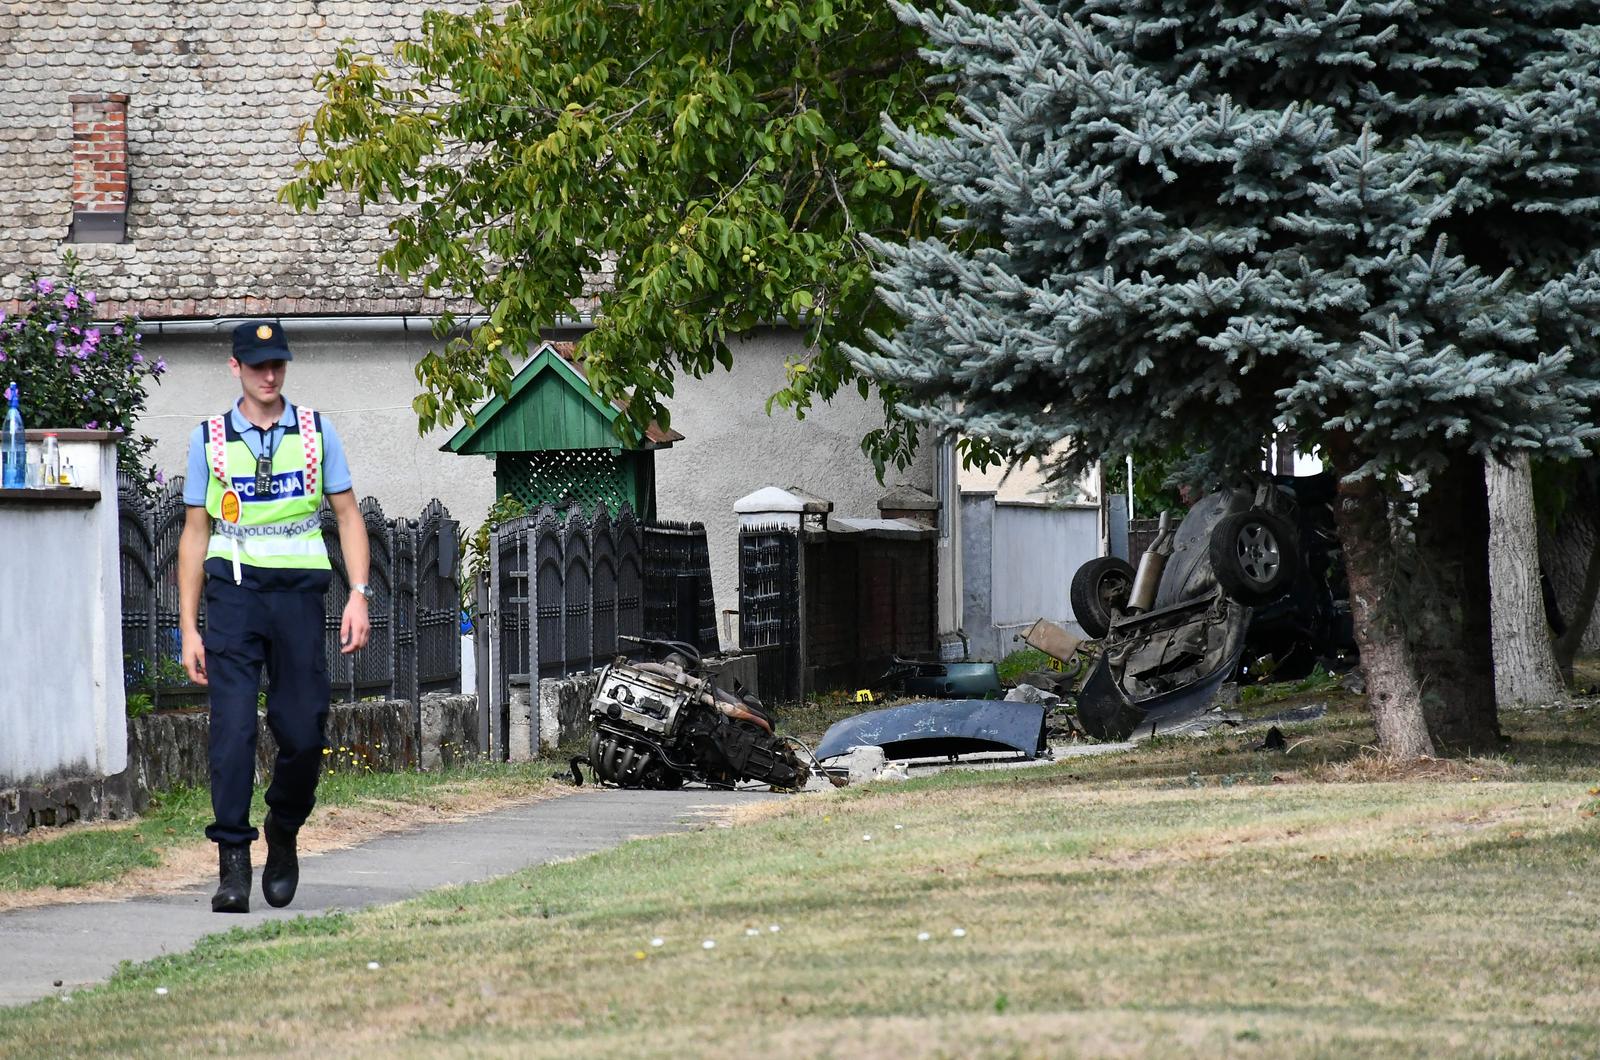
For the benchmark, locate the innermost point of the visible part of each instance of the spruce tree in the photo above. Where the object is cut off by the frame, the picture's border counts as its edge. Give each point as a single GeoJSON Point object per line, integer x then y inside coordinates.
{"type": "Point", "coordinates": [1181, 223]}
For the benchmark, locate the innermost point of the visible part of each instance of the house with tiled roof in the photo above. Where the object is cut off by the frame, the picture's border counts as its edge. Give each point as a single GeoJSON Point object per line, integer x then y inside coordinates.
{"type": "Point", "coordinates": [151, 138]}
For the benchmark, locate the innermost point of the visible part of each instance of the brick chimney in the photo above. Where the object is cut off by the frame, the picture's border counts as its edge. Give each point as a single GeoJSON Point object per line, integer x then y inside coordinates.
{"type": "Point", "coordinates": [99, 167]}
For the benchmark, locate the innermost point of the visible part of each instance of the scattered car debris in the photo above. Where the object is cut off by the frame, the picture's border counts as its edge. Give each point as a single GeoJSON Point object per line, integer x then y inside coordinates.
{"type": "Point", "coordinates": [945, 728]}
{"type": "Point", "coordinates": [1274, 741]}
{"type": "Point", "coordinates": [1051, 639]}
{"type": "Point", "coordinates": [1026, 693]}
{"type": "Point", "coordinates": [862, 763]}
{"type": "Point", "coordinates": [968, 680]}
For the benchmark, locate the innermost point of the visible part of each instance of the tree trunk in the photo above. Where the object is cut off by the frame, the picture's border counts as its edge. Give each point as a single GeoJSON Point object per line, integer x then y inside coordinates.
{"type": "Point", "coordinates": [1570, 555]}
{"type": "Point", "coordinates": [1446, 609]}
{"type": "Point", "coordinates": [1524, 661]}
{"type": "Point", "coordinates": [1393, 694]}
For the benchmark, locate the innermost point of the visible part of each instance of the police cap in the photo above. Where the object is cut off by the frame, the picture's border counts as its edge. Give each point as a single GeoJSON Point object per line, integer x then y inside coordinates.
{"type": "Point", "coordinates": [255, 341]}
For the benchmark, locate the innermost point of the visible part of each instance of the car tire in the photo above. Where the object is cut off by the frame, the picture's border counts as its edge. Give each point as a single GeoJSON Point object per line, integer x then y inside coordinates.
{"type": "Point", "coordinates": [1255, 555]}
{"type": "Point", "coordinates": [1099, 588]}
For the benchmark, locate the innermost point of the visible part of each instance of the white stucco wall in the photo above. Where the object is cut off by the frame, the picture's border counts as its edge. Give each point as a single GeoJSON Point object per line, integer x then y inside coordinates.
{"type": "Point", "coordinates": [365, 383]}
{"type": "Point", "coordinates": [1027, 482]}
{"type": "Point", "coordinates": [62, 712]}
{"type": "Point", "coordinates": [732, 447]}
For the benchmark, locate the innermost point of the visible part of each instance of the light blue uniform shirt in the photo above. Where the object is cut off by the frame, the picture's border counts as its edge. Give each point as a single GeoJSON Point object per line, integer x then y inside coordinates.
{"type": "Point", "coordinates": [335, 468]}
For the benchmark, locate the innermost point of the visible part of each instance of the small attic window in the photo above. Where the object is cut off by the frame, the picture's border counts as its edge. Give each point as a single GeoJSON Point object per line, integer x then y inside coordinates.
{"type": "Point", "coordinates": [99, 168]}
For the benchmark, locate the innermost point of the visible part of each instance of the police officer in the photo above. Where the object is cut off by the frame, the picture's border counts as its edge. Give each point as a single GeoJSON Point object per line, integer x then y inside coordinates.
{"type": "Point", "coordinates": [257, 475]}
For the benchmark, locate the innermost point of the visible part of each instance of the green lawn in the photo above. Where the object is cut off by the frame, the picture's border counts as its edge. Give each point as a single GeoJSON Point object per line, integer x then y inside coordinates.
{"type": "Point", "coordinates": [1192, 898]}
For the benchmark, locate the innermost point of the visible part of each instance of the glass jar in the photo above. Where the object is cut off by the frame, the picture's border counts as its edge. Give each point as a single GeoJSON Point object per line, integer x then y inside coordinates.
{"type": "Point", "coordinates": [50, 457]}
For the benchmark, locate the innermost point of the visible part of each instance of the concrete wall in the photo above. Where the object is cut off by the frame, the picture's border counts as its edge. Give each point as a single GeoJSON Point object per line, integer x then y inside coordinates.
{"type": "Point", "coordinates": [563, 710]}
{"type": "Point", "coordinates": [977, 593]}
{"type": "Point", "coordinates": [365, 383]}
{"type": "Point", "coordinates": [62, 713]}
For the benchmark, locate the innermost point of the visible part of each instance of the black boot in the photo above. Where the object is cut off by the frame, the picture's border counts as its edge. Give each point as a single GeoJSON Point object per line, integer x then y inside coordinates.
{"type": "Point", "coordinates": [233, 870]}
{"type": "Point", "coordinates": [282, 873]}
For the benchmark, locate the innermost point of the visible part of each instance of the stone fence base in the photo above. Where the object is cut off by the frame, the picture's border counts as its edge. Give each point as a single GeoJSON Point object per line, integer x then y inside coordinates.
{"type": "Point", "coordinates": [564, 709]}
{"type": "Point", "coordinates": [449, 731]}
{"type": "Point", "coordinates": [168, 750]}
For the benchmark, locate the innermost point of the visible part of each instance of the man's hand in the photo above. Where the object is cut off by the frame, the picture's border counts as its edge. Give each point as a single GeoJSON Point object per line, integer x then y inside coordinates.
{"type": "Point", "coordinates": [194, 656]}
{"type": "Point", "coordinates": [354, 626]}
{"type": "Point", "coordinates": [191, 577]}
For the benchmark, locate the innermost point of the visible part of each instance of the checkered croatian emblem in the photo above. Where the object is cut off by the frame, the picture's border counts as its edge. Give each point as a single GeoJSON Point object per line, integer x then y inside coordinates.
{"type": "Point", "coordinates": [217, 448]}
{"type": "Point", "coordinates": [308, 442]}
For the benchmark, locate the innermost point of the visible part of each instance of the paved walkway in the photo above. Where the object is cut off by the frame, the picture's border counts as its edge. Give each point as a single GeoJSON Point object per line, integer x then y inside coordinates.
{"type": "Point", "coordinates": [82, 943]}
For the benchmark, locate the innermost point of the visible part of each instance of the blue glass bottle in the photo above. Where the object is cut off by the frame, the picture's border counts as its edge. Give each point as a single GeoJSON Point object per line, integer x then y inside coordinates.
{"type": "Point", "coordinates": [14, 446]}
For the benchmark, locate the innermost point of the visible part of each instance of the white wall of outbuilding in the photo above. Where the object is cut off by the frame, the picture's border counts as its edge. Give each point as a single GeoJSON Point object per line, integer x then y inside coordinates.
{"type": "Point", "coordinates": [364, 381]}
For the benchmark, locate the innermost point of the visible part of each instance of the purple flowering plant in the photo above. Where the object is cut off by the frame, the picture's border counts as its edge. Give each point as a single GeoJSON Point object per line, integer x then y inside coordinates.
{"type": "Point", "coordinates": [73, 373]}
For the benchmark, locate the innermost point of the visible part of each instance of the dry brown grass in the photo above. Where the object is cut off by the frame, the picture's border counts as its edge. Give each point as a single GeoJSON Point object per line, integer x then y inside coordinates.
{"type": "Point", "coordinates": [1139, 918]}
{"type": "Point", "coordinates": [1172, 902]}
{"type": "Point", "coordinates": [1372, 766]}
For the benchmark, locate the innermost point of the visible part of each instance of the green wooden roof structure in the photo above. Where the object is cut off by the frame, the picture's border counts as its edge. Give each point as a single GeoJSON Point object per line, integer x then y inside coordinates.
{"type": "Point", "coordinates": [553, 441]}
{"type": "Point", "coordinates": [549, 405]}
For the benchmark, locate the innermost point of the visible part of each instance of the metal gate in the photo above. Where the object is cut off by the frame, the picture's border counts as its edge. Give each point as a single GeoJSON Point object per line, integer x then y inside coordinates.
{"type": "Point", "coordinates": [678, 600]}
{"type": "Point", "coordinates": [769, 608]}
{"type": "Point", "coordinates": [563, 590]}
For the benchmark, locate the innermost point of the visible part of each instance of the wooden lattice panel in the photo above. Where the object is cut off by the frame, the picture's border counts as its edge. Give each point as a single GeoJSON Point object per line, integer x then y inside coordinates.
{"type": "Point", "coordinates": [563, 478]}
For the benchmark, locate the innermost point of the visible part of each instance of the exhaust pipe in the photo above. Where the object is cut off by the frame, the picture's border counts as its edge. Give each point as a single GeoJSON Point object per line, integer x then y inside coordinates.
{"type": "Point", "coordinates": [1148, 578]}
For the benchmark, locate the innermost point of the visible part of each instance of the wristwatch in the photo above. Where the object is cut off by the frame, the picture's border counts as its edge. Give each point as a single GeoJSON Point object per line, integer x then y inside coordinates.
{"type": "Point", "coordinates": [364, 589]}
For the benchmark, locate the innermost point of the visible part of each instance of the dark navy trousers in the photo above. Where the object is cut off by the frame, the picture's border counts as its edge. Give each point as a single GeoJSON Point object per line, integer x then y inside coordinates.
{"type": "Point", "coordinates": [248, 630]}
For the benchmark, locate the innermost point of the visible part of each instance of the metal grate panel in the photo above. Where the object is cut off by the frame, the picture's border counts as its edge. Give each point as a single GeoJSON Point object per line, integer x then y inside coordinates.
{"type": "Point", "coordinates": [769, 608]}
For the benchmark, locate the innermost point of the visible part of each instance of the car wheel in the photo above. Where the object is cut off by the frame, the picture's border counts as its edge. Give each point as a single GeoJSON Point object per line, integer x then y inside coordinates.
{"type": "Point", "coordinates": [1099, 589]}
{"type": "Point", "coordinates": [1255, 555]}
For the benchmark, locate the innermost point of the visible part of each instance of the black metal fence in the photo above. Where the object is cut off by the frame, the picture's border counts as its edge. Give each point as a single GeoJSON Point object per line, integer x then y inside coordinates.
{"type": "Point", "coordinates": [678, 599]}
{"type": "Point", "coordinates": [564, 588]}
{"type": "Point", "coordinates": [769, 608]}
{"type": "Point", "coordinates": [415, 645]}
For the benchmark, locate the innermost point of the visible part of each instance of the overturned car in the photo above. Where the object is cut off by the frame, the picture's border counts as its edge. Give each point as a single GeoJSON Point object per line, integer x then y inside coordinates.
{"type": "Point", "coordinates": [1248, 573]}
